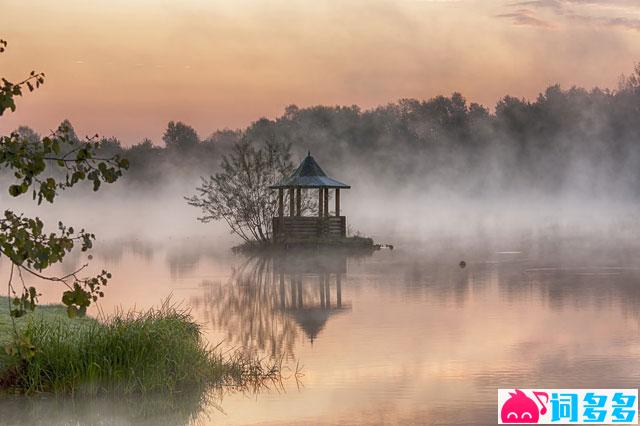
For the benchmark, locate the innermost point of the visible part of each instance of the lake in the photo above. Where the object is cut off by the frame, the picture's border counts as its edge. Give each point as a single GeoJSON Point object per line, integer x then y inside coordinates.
{"type": "Point", "coordinates": [403, 336]}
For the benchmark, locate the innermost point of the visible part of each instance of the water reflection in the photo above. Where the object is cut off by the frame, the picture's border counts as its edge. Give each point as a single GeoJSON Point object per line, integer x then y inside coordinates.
{"type": "Point", "coordinates": [311, 279]}
{"type": "Point", "coordinates": [47, 410]}
{"type": "Point", "coordinates": [404, 336]}
{"type": "Point", "coordinates": [269, 300]}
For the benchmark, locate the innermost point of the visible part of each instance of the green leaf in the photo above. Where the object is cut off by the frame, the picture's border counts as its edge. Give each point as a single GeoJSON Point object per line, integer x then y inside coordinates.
{"type": "Point", "coordinates": [14, 190]}
{"type": "Point", "coordinates": [68, 297]}
{"type": "Point", "coordinates": [72, 312]}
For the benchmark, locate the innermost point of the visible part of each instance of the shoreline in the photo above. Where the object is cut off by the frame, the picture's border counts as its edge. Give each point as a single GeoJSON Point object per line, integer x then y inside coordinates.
{"type": "Point", "coordinates": [350, 244]}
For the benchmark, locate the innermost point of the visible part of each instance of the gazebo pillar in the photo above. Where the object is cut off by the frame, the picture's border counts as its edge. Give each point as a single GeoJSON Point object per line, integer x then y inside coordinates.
{"type": "Point", "coordinates": [326, 202]}
{"type": "Point", "coordinates": [298, 201]}
{"type": "Point", "coordinates": [280, 202]}
{"type": "Point", "coordinates": [291, 202]}
{"type": "Point", "coordinates": [337, 202]}
{"type": "Point", "coordinates": [320, 201]}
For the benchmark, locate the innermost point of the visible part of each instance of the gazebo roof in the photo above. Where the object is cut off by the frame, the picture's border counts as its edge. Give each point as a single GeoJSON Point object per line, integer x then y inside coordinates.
{"type": "Point", "coordinates": [309, 175]}
{"type": "Point", "coordinates": [312, 320]}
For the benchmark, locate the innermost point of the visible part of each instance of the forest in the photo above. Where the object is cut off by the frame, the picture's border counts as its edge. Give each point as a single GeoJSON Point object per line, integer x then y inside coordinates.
{"type": "Point", "coordinates": [566, 140]}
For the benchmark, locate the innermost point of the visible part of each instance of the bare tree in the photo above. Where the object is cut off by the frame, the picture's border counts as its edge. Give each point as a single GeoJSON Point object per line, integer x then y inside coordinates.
{"type": "Point", "coordinates": [240, 193]}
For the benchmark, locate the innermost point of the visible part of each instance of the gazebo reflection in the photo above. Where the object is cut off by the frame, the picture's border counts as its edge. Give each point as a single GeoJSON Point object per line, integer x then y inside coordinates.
{"type": "Point", "coordinates": [306, 285]}
{"type": "Point", "coordinates": [270, 301]}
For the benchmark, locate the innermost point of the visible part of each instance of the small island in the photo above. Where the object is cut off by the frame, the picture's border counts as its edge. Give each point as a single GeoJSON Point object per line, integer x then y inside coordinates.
{"type": "Point", "coordinates": [272, 205]}
{"type": "Point", "coordinates": [324, 230]}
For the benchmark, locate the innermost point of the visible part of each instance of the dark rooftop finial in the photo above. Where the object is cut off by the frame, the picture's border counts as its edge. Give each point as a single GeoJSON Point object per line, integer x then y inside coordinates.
{"type": "Point", "coordinates": [309, 153]}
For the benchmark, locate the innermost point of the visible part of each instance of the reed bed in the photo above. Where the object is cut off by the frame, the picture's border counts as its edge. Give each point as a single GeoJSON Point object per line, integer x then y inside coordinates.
{"type": "Point", "coordinates": [158, 350]}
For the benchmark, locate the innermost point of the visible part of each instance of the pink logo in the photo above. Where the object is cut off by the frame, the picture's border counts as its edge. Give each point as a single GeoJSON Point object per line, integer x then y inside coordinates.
{"type": "Point", "coordinates": [519, 408]}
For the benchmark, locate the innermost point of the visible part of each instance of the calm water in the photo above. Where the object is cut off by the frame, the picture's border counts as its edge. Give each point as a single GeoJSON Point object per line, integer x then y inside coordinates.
{"type": "Point", "coordinates": [398, 337]}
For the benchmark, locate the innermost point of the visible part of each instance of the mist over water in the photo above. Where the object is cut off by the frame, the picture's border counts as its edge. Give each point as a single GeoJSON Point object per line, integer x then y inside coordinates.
{"type": "Point", "coordinates": [509, 230]}
{"type": "Point", "coordinates": [406, 335]}
{"type": "Point", "coordinates": [415, 222]}
{"type": "Point", "coordinates": [538, 199]}
{"type": "Point", "coordinates": [443, 167]}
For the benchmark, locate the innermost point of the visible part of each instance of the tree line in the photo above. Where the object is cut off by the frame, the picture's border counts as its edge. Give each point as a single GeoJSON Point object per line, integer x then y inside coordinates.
{"type": "Point", "coordinates": [577, 139]}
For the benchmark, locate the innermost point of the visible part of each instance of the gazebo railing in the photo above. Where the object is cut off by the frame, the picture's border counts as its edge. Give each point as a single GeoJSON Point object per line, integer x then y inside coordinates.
{"type": "Point", "coordinates": [305, 227]}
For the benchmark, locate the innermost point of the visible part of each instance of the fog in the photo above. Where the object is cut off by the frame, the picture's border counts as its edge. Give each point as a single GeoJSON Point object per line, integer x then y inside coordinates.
{"type": "Point", "coordinates": [447, 166]}
{"type": "Point", "coordinates": [400, 217]}
{"type": "Point", "coordinates": [545, 221]}
{"type": "Point", "coordinates": [508, 232]}
{"type": "Point", "coordinates": [424, 175]}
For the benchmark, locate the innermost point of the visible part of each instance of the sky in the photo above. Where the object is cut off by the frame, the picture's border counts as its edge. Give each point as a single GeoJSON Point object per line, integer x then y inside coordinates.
{"type": "Point", "coordinates": [125, 68]}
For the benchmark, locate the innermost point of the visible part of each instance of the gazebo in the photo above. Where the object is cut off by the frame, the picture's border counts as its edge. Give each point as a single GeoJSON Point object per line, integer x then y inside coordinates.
{"type": "Point", "coordinates": [308, 175]}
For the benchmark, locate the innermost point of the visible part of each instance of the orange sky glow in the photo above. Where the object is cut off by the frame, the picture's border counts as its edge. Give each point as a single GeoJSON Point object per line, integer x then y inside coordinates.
{"type": "Point", "coordinates": [125, 68]}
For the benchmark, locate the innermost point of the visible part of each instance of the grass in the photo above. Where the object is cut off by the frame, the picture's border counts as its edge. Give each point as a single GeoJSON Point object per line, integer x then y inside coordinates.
{"type": "Point", "coordinates": [43, 312]}
{"type": "Point", "coordinates": [160, 350]}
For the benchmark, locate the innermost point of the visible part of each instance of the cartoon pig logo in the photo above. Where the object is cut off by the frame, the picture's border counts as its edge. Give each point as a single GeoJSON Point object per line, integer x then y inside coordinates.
{"type": "Point", "coordinates": [519, 408]}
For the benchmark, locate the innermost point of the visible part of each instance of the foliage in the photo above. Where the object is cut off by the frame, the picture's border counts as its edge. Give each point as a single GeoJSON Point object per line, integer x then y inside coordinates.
{"type": "Point", "coordinates": [239, 194]}
{"type": "Point", "coordinates": [9, 91]}
{"type": "Point", "coordinates": [159, 350]}
{"type": "Point", "coordinates": [631, 82]}
{"type": "Point", "coordinates": [36, 166]}
{"type": "Point", "coordinates": [566, 139]}
{"type": "Point", "coordinates": [574, 140]}
{"type": "Point", "coordinates": [180, 136]}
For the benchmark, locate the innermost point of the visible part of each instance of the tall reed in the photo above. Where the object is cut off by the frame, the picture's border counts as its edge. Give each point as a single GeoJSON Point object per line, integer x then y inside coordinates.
{"type": "Point", "coordinates": [159, 350]}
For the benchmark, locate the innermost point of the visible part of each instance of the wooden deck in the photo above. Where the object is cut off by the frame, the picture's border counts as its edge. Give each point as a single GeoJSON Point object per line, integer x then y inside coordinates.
{"type": "Point", "coordinates": [308, 227]}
